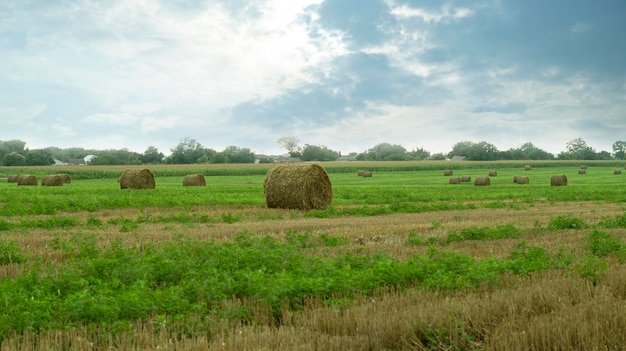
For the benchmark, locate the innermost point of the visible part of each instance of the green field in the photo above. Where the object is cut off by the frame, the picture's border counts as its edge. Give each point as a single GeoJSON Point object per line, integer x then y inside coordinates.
{"type": "Point", "coordinates": [401, 260]}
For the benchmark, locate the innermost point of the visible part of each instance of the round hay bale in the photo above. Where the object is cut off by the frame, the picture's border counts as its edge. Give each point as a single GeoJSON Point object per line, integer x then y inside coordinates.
{"type": "Point", "coordinates": [583, 166]}
{"type": "Point", "coordinates": [447, 173]}
{"type": "Point", "coordinates": [522, 180]}
{"type": "Point", "coordinates": [301, 187]}
{"type": "Point", "coordinates": [528, 168]}
{"type": "Point", "coordinates": [466, 179]}
{"type": "Point", "coordinates": [194, 180]}
{"type": "Point", "coordinates": [558, 180]}
{"type": "Point", "coordinates": [52, 180]}
{"type": "Point", "coordinates": [360, 172]}
{"type": "Point", "coordinates": [12, 178]}
{"type": "Point", "coordinates": [455, 180]}
{"type": "Point", "coordinates": [582, 171]}
{"type": "Point", "coordinates": [617, 171]}
{"type": "Point", "coordinates": [482, 181]}
{"type": "Point", "coordinates": [367, 174]}
{"type": "Point", "coordinates": [137, 179]}
{"type": "Point", "coordinates": [66, 178]}
{"type": "Point", "coordinates": [26, 179]}
{"type": "Point", "coordinates": [493, 173]}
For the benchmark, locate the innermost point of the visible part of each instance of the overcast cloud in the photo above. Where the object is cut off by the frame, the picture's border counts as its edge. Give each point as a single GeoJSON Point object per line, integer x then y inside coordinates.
{"type": "Point", "coordinates": [346, 74]}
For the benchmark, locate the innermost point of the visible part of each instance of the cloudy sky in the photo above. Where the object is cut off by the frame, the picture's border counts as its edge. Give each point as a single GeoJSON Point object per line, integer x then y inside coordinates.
{"type": "Point", "coordinates": [346, 74]}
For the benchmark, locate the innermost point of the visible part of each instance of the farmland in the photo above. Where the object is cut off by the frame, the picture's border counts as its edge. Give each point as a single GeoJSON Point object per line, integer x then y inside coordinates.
{"type": "Point", "coordinates": [401, 260]}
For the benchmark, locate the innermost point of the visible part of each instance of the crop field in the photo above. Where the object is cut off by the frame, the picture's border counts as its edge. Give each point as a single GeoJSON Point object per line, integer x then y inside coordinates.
{"type": "Point", "coordinates": [402, 260]}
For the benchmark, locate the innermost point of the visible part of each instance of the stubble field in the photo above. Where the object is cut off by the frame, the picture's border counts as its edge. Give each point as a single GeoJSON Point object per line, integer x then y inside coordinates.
{"type": "Point", "coordinates": [400, 261]}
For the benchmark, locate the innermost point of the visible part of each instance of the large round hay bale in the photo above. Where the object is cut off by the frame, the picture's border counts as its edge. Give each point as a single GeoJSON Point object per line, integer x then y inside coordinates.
{"type": "Point", "coordinates": [66, 178]}
{"type": "Point", "coordinates": [515, 178]}
{"type": "Point", "coordinates": [528, 168]}
{"type": "Point", "coordinates": [493, 173]}
{"type": "Point", "coordinates": [367, 174]}
{"type": "Point", "coordinates": [582, 171]}
{"type": "Point", "coordinates": [617, 171]}
{"type": "Point", "coordinates": [558, 180]}
{"type": "Point", "coordinates": [194, 180]}
{"type": "Point", "coordinates": [466, 179]}
{"type": "Point", "coordinates": [360, 172]}
{"type": "Point", "coordinates": [137, 179]}
{"type": "Point", "coordinates": [455, 180]}
{"type": "Point", "coordinates": [12, 178]}
{"type": "Point", "coordinates": [52, 180]}
{"type": "Point", "coordinates": [522, 180]}
{"type": "Point", "coordinates": [482, 181]}
{"type": "Point", "coordinates": [447, 173]}
{"type": "Point", "coordinates": [301, 187]}
{"type": "Point", "coordinates": [26, 179]}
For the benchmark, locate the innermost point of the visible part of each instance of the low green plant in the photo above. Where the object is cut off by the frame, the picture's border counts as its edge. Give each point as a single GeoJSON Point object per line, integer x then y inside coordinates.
{"type": "Point", "coordinates": [566, 222]}
{"type": "Point", "coordinates": [11, 253]}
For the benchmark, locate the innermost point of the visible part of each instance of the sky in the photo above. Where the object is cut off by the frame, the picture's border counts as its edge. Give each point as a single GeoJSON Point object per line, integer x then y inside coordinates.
{"type": "Point", "coordinates": [345, 74]}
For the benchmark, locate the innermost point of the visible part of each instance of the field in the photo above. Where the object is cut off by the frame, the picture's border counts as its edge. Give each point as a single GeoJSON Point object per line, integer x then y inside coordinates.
{"type": "Point", "coordinates": [400, 261]}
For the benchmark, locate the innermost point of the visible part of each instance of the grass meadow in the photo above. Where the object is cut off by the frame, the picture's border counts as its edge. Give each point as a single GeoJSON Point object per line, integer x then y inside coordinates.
{"type": "Point", "coordinates": [400, 261]}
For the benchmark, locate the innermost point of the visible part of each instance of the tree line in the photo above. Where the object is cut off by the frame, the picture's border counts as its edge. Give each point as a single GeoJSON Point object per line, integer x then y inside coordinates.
{"type": "Point", "coordinates": [190, 151]}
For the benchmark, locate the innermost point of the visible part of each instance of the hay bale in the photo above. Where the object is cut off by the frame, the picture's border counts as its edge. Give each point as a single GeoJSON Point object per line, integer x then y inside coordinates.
{"type": "Point", "coordinates": [447, 173]}
{"type": "Point", "coordinates": [12, 178]}
{"type": "Point", "coordinates": [558, 180]}
{"type": "Point", "coordinates": [360, 172]}
{"type": "Point", "coordinates": [583, 166]}
{"type": "Point", "coordinates": [466, 179]}
{"type": "Point", "coordinates": [66, 178]}
{"type": "Point", "coordinates": [194, 180]}
{"type": "Point", "coordinates": [528, 168]}
{"type": "Point", "coordinates": [582, 171]}
{"type": "Point", "coordinates": [493, 173]}
{"type": "Point", "coordinates": [367, 174]}
{"type": "Point", "coordinates": [522, 180]}
{"type": "Point", "coordinates": [455, 180]}
{"type": "Point", "coordinates": [617, 171]}
{"type": "Point", "coordinates": [52, 180]}
{"type": "Point", "coordinates": [302, 187]}
{"type": "Point", "coordinates": [482, 181]}
{"type": "Point", "coordinates": [26, 179]}
{"type": "Point", "coordinates": [137, 179]}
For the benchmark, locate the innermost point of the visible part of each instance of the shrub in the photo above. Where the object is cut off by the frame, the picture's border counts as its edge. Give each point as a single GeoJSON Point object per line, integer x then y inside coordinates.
{"type": "Point", "coordinates": [566, 222]}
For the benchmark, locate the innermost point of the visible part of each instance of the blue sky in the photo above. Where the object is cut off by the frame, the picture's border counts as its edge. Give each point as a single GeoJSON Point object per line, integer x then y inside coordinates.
{"type": "Point", "coordinates": [346, 74]}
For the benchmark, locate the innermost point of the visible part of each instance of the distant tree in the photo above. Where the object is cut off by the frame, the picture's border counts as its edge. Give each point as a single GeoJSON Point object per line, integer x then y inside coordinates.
{"type": "Point", "coordinates": [318, 153]}
{"type": "Point", "coordinates": [39, 157]}
{"type": "Point", "coordinates": [9, 146]}
{"type": "Point", "coordinates": [419, 154]}
{"type": "Point", "coordinates": [234, 154]}
{"type": "Point", "coordinates": [527, 151]}
{"type": "Point", "coordinates": [385, 152]}
{"type": "Point", "coordinates": [619, 150]}
{"type": "Point", "coordinates": [291, 144]}
{"type": "Point", "coordinates": [152, 156]}
{"type": "Point", "coordinates": [438, 157]}
{"type": "Point", "coordinates": [577, 149]}
{"type": "Point", "coordinates": [481, 151]}
{"type": "Point", "coordinates": [190, 151]}
{"type": "Point", "coordinates": [14, 159]}
{"type": "Point", "coordinates": [104, 160]}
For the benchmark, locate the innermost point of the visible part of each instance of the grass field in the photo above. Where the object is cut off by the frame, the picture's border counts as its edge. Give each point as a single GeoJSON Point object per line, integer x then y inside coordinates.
{"type": "Point", "coordinates": [400, 261]}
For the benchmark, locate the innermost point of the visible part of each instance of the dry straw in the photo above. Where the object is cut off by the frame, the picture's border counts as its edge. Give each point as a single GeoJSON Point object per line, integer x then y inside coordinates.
{"type": "Point", "coordinates": [455, 180]}
{"type": "Point", "coordinates": [360, 172]}
{"type": "Point", "coordinates": [617, 171]}
{"type": "Point", "coordinates": [582, 171]}
{"type": "Point", "coordinates": [482, 181]}
{"type": "Point", "coordinates": [528, 168]}
{"type": "Point", "coordinates": [66, 178]}
{"type": "Point", "coordinates": [137, 179]}
{"type": "Point", "coordinates": [367, 174]}
{"type": "Point", "coordinates": [52, 180]}
{"type": "Point", "coordinates": [522, 180]}
{"type": "Point", "coordinates": [12, 178]}
{"type": "Point", "coordinates": [26, 179]}
{"type": "Point", "coordinates": [466, 179]}
{"type": "Point", "coordinates": [493, 173]}
{"type": "Point", "coordinates": [194, 180]}
{"type": "Point", "coordinates": [447, 173]}
{"type": "Point", "coordinates": [301, 187]}
{"type": "Point", "coordinates": [583, 166]}
{"type": "Point", "coordinates": [558, 180]}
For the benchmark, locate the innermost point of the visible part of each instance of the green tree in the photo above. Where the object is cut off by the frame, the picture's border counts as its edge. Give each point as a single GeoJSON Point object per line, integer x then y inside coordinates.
{"type": "Point", "coordinates": [619, 150]}
{"type": "Point", "coordinates": [318, 153]}
{"type": "Point", "coordinates": [481, 151]}
{"type": "Point", "coordinates": [291, 144]}
{"type": "Point", "coordinates": [385, 152]}
{"type": "Point", "coordinates": [190, 151]}
{"type": "Point", "coordinates": [419, 154]}
{"type": "Point", "coordinates": [14, 159]}
{"type": "Point", "coordinates": [234, 154]}
{"type": "Point", "coordinates": [577, 149]}
{"type": "Point", "coordinates": [152, 156]}
{"type": "Point", "coordinates": [39, 157]}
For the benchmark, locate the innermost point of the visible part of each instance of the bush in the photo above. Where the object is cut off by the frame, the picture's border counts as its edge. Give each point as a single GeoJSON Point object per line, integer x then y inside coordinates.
{"type": "Point", "coordinates": [566, 222]}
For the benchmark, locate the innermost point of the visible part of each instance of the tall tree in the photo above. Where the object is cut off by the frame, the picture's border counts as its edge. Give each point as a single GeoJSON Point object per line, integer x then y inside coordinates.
{"type": "Point", "coordinates": [619, 150]}
{"type": "Point", "coordinates": [291, 144]}
{"type": "Point", "coordinates": [152, 155]}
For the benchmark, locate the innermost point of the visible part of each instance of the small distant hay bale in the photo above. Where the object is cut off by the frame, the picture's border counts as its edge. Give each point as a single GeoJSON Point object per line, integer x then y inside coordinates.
{"type": "Point", "coordinates": [528, 168]}
{"type": "Point", "coordinates": [515, 178]}
{"type": "Point", "coordinates": [66, 178]}
{"type": "Point", "coordinates": [466, 179]}
{"type": "Point", "coordinates": [194, 180]}
{"type": "Point", "coordinates": [26, 179]}
{"type": "Point", "coordinates": [52, 180]}
{"type": "Point", "coordinates": [482, 181]}
{"type": "Point", "coordinates": [455, 180]}
{"type": "Point", "coordinates": [301, 187]}
{"type": "Point", "coordinates": [493, 173]}
{"type": "Point", "coordinates": [522, 180]}
{"type": "Point", "coordinates": [558, 180]}
{"type": "Point", "coordinates": [12, 178]}
{"type": "Point", "coordinates": [137, 179]}
{"type": "Point", "coordinates": [583, 166]}
{"type": "Point", "coordinates": [582, 171]}
{"type": "Point", "coordinates": [617, 171]}
{"type": "Point", "coordinates": [367, 174]}
{"type": "Point", "coordinates": [447, 173]}
{"type": "Point", "coordinates": [360, 172]}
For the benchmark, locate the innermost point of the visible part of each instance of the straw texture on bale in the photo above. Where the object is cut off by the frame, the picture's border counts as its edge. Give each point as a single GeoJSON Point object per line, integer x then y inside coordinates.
{"type": "Point", "coordinates": [194, 180]}
{"type": "Point", "coordinates": [522, 180]}
{"type": "Point", "coordinates": [617, 171]}
{"type": "Point", "coordinates": [26, 179]}
{"type": "Point", "coordinates": [466, 179]}
{"type": "Point", "coordinates": [493, 173]}
{"type": "Point", "coordinates": [12, 178]}
{"type": "Point", "coordinates": [137, 179]}
{"type": "Point", "coordinates": [447, 172]}
{"type": "Point", "coordinates": [558, 180]}
{"type": "Point", "coordinates": [528, 168]}
{"type": "Point", "coordinates": [482, 181]}
{"type": "Point", "coordinates": [367, 174]}
{"type": "Point", "coordinates": [360, 172]}
{"type": "Point", "coordinates": [301, 187]}
{"type": "Point", "coordinates": [66, 178]}
{"type": "Point", "coordinates": [583, 166]}
{"type": "Point", "coordinates": [52, 180]}
{"type": "Point", "coordinates": [582, 171]}
{"type": "Point", "coordinates": [515, 178]}
{"type": "Point", "coordinates": [455, 180]}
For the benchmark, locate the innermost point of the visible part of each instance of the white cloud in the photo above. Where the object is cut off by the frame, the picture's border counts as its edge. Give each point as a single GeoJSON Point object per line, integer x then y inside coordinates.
{"type": "Point", "coordinates": [447, 13]}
